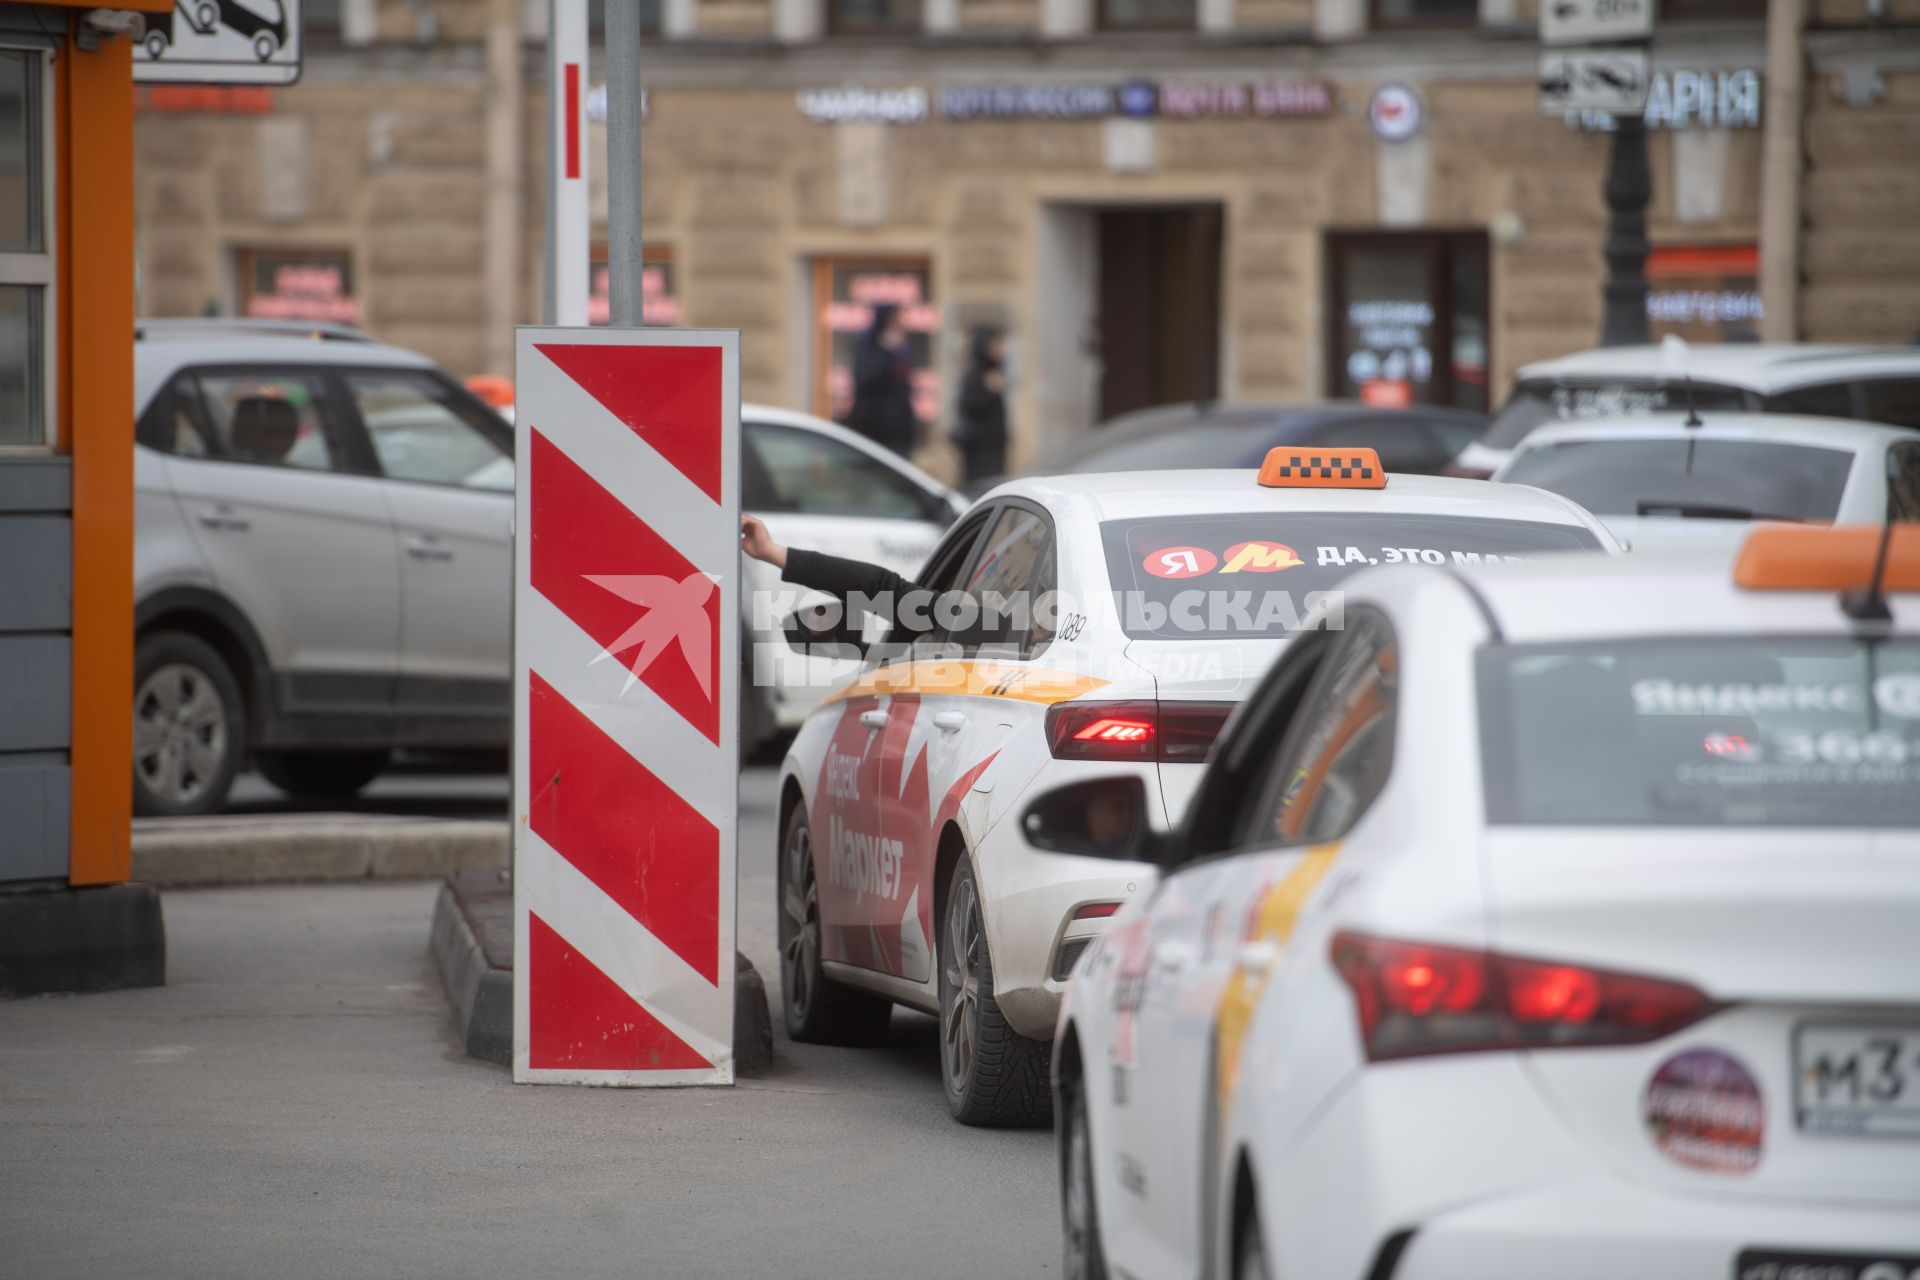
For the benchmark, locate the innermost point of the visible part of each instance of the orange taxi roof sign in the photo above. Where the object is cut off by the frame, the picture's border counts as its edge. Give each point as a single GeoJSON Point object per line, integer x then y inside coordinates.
{"type": "Point", "coordinates": [1288, 467]}
{"type": "Point", "coordinates": [1840, 558]}
{"type": "Point", "coordinates": [495, 390]}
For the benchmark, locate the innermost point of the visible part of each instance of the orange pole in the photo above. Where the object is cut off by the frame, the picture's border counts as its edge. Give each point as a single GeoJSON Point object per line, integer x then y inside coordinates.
{"type": "Point", "coordinates": [94, 155]}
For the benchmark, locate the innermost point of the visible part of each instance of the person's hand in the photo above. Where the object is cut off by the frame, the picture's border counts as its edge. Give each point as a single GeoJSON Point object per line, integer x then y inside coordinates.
{"type": "Point", "coordinates": [758, 543]}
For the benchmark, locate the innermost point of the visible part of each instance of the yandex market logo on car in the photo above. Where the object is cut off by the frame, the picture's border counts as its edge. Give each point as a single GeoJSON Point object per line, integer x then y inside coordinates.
{"type": "Point", "coordinates": [1260, 557]}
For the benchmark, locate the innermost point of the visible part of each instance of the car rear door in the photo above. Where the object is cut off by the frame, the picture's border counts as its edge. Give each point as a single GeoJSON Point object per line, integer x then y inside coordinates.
{"type": "Point", "coordinates": [294, 532]}
{"type": "Point", "coordinates": [448, 468]}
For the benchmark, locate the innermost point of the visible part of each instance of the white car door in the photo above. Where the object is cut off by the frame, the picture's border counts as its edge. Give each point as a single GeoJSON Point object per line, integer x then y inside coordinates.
{"type": "Point", "coordinates": [1216, 931]}
{"type": "Point", "coordinates": [824, 494]}
{"type": "Point", "coordinates": [448, 465]}
{"type": "Point", "coordinates": [266, 479]}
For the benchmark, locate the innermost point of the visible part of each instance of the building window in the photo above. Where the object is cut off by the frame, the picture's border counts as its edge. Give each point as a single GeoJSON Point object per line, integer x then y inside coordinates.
{"type": "Point", "coordinates": [845, 293]}
{"type": "Point", "coordinates": [1704, 293]}
{"type": "Point", "coordinates": [1407, 318]}
{"type": "Point", "coordinates": [1149, 15]}
{"type": "Point", "coordinates": [1425, 13]}
{"type": "Point", "coordinates": [313, 285]}
{"type": "Point", "coordinates": [659, 303]}
{"type": "Point", "coordinates": [873, 17]}
{"type": "Point", "coordinates": [26, 264]}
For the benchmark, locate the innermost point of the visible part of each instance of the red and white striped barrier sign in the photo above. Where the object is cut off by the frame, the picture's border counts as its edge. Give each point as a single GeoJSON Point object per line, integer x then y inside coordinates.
{"type": "Point", "coordinates": [626, 674]}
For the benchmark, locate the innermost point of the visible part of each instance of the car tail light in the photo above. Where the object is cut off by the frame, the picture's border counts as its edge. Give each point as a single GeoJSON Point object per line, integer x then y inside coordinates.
{"type": "Point", "coordinates": [1419, 998]}
{"type": "Point", "coordinates": [1172, 731]}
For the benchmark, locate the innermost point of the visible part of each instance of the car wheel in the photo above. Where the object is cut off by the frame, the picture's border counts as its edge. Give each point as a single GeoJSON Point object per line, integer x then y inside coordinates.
{"type": "Point", "coordinates": [323, 775]}
{"type": "Point", "coordinates": [263, 46]}
{"type": "Point", "coordinates": [156, 45]}
{"type": "Point", "coordinates": [189, 727]}
{"type": "Point", "coordinates": [1086, 1257]}
{"type": "Point", "coordinates": [994, 1075]}
{"type": "Point", "coordinates": [1252, 1253]}
{"type": "Point", "coordinates": [817, 1009]}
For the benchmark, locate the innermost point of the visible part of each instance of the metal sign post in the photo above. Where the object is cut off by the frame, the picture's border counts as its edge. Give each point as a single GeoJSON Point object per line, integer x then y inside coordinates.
{"type": "Point", "coordinates": [626, 693]}
{"type": "Point", "coordinates": [626, 105]}
{"type": "Point", "coordinates": [568, 230]}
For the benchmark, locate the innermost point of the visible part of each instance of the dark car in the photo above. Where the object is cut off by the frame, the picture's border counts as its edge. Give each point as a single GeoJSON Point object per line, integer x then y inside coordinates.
{"type": "Point", "coordinates": [1423, 441]}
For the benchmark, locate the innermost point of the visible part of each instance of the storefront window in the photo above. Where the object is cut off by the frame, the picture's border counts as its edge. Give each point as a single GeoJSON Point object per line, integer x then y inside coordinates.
{"type": "Point", "coordinates": [298, 284]}
{"type": "Point", "coordinates": [845, 293]}
{"type": "Point", "coordinates": [1408, 318]}
{"type": "Point", "coordinates": [1149, 15]}
{"type": "Point", "coordinates": [659, 303]}
{"type": "Point", "coordinates": [1704, 293]}
{"type": "Point", "coordinates": [26, 268]}
{"type": "Point", "coordinates": [1418, 13]}
{"type": "Point", "coordinates": [873, 17]}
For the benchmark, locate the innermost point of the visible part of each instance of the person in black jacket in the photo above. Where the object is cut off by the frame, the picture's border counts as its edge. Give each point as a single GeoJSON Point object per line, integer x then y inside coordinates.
{"type": "Point", "coordinates": [905, 605]}
{"type": "Point", "coordinates": [883, 383]}
{"type": "Point", "coordinates": [980, 426]}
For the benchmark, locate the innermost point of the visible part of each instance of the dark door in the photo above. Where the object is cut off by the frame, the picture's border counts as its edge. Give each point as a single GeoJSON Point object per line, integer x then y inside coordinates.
{"type": "Point", "coordinates": [1407, 318]}
{"type": "Point", "coordinates": [1159, 307]}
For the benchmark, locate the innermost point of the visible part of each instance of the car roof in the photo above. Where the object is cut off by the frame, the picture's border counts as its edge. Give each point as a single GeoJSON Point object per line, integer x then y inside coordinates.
{"type": "Point", "coordinates": [1761, 367]}
{"type": "Point", "coordinates": [1840, 434]}
{"type": "Point", "coordinates": [154, 362]}
{"type": "Point", "coordinates": [1122, 494]}
{"type": "Point", "coordinates": [1573, 596]}
{"type": "Point", "coordinates": [778, 416]}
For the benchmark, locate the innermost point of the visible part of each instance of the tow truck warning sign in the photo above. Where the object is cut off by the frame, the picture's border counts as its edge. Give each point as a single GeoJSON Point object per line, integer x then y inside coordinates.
{"type": "Point", "coordinates": [221, 42]}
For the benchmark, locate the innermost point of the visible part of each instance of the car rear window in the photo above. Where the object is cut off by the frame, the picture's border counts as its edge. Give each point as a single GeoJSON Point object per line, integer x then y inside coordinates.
{"type": "Point", "coordinates": [1725, 479]}
{"type": "Point", "coordinates": [1536, 403]}
{"type": "Point", "coordinates": [1261, 573]}
{"type": "Point", "coordinates": [1193, 444]}
{"type": "Point", "coordinates": [1703, 731]}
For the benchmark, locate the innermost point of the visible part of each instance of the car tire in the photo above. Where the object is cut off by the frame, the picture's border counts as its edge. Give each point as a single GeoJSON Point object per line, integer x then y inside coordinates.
{"type": "Point", "coordinates": [1250, 1256]}
{"type": "Point", "coordinates": [321, 775]}
{"type": "Point", "coordinates": [817, 1009]}
{"type": "Point", "coordinates": [189, 726]}
{"type": "Point", "coordinates": [1085, 1256]}
{"type": "Point", "coordinates": [993, 1075]}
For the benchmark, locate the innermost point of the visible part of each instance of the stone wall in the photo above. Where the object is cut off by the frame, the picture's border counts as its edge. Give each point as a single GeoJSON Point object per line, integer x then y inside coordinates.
{"type": "Point", "coordinates": [1861, 252]}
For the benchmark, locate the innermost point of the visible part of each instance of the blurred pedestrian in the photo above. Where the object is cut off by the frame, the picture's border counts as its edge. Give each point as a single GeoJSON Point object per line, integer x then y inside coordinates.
{"type": "Point", "coordinates": [980, 425]}
{"type": "Point", "coordinates": [883, 383]}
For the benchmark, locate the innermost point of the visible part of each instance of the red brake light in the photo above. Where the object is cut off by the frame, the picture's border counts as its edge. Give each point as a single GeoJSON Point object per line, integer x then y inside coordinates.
{"type": "Point", "coordinates": [1419, 998]}
{"type": "Point", "coordinates": [1096, 910]}
{"type": "Point", "coordinates": [1172, 731]}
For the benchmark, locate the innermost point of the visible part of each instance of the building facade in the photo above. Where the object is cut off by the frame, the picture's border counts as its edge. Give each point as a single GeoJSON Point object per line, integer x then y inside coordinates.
{"type": "Point", "coordinates": [1159, 200]}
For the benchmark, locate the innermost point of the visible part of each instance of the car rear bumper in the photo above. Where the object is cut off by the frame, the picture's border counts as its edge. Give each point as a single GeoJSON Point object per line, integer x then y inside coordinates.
{"type": "Point", "coordinates": [1609, 1231]}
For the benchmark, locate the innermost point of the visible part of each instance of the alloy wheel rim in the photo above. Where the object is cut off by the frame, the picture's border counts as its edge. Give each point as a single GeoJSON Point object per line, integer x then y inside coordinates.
{"type": "Point", "coordinates": [961, 969]}
{"type": "Point", "coordinates": [800, 920]}
{"type": "Point", "coordinates": [179, 733]}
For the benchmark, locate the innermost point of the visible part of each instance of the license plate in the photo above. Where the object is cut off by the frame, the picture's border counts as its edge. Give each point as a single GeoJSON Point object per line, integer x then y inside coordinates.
{"type": "Point", "coordinates": [1857, 1078]}
{"type": "Point", "coordinates": [1781, 1264]}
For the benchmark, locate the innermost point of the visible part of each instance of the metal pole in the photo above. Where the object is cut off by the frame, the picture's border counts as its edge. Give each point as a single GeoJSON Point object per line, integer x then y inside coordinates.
{"type": "Point", "coordinates": [1629, 187]}
{"type": "Point", "coordinates": [1782, 165]}
{"type": "Point", "coordinates": [625, 244]}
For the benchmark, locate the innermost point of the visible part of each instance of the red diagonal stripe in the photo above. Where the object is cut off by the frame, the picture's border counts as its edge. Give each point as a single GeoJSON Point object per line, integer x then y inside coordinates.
{"type": "Point", "coordinates": [668, 396]}
{"type": "Point", "coordinates": [579, 1018]}
{"type": "Point", "coordinates": [578, 528]}
{"type": "Point", "coordinates": [624, 829]}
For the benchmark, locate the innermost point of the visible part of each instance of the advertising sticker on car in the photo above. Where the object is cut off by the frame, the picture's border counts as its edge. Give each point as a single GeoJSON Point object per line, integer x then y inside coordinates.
{"type": "Point", "coordinates": [1179, 562]}
{"type": "Point", "coordinates": [1703, 1109]}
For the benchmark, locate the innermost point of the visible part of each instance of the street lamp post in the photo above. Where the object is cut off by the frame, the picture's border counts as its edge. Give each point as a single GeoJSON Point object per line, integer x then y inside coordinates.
{"type": "Point", "coordinates": [1629, 187]}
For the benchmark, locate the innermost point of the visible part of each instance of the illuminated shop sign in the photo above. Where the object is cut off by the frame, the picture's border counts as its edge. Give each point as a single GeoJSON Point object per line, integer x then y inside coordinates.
{"type": "Point", "coordinates": [1267, 99]}
{"type": "Point", "coordinates": [857, 104]}
{"type": "Point", "coordinates": [1691, 100]}
{"type": "Point", "coordinates": [1028, 101]}
{"type": "Point", "coordinates": [1139, 99]}
{"type": "Point", "coordinates": [315, 287]}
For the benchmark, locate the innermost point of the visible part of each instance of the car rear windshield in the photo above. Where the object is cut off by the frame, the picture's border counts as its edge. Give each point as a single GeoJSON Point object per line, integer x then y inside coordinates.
{"type": "Point", "coordinates": [1260, 573]}
{"type": "Point", "coordinates": [1536, 403]}
{"type": "Point", "coordinates": [1192, 444]}
{"type": "Point", "coordinates": [1703, 731]}
{"type": "Point", "coordinates": [1728, 479]}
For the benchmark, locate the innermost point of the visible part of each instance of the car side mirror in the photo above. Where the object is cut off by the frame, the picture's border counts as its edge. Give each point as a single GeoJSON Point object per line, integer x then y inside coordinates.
{"type": "Point", "coordinates": [1096, 818]}
{"type": "Point", "coordinates": [822, 630]}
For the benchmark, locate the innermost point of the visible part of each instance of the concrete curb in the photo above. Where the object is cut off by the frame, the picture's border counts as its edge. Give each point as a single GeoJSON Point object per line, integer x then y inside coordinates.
{"type": "Point", "coordinates": [296, 848]}
{"type": "Point", "coordinates": [482, 994]}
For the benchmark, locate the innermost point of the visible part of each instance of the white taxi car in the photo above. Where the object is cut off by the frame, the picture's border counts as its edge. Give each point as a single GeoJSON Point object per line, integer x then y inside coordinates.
{"type": "Point", "coordinates": [1159, 599]}
{"type": "Point", "coordinates": [1548, 920]}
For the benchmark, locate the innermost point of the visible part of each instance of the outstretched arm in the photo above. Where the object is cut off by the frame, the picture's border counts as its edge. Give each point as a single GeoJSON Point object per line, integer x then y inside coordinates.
{"type": "Point", "coordinates": [818, 571]}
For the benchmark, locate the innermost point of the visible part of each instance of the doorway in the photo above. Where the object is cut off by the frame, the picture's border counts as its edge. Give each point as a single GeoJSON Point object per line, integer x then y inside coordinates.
{"type": "Point", "coordinates": [1158, 305]}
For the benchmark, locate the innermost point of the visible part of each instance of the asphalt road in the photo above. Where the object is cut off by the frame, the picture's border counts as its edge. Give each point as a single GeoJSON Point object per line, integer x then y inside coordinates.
{"type": "Point", "coordinates": [293, 1103]}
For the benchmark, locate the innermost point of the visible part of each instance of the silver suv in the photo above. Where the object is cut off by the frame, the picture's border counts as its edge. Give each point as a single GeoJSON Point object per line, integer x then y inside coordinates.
{"type": "Point", "coordinates": [322, 566]}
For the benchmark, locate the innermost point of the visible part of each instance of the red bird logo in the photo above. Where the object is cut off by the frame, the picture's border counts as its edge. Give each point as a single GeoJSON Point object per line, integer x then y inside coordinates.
{"type": "Point", "coordinates": [675, 611]}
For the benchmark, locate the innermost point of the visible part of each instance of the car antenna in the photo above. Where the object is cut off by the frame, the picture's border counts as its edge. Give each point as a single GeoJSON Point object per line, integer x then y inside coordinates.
{"type": "Point", "coordinates": [1691, 421]}
{"type": "Point", "coordinates": [1869, 604]}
